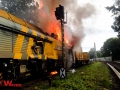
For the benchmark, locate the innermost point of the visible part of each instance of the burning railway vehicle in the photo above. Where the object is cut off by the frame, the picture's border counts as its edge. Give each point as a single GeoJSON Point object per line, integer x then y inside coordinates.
{"type": "Point", "coordinates": [81, 58]}
{"type": "Point", "coordinates": [25, 50]}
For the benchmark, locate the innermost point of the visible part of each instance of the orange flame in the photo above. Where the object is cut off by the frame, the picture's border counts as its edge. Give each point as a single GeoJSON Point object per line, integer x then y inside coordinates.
{"type": "Point", "coordinates": [54, 73]}
{"type": "Point", "coordinates": [51, 24]}
{"type": "Point", "coordinates": [59, 36]}
{"type": "Point", "coordinates": [66, 41]}
{"type": "Point", "coordinates": [57, 30]}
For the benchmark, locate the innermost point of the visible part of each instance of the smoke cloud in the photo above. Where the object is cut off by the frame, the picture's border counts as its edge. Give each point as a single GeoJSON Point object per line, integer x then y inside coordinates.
{"type": "Point", "coordinates": [74, 29]}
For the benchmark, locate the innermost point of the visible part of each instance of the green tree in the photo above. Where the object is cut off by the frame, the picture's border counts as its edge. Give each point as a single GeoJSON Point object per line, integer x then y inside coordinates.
{"type": "Point", "coordinates": [99, 54]}
{"type": "Point", "coordinates": [111, 47]}
{"type": "Point", "coordinates": [115, 9]}
{"type": "Point", "coordinates": [24, 9]}
{"type": "Point", "coordinates": [92, 53]}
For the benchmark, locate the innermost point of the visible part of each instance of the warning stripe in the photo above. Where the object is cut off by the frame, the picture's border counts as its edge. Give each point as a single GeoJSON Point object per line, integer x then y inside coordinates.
{"type": "Point", "coordinates": [34, 32]}
{"type": "Point", "coordinates": [17, 55]}
{"type": "Point", "coordinates": [30, 44]}
{"type": "Point", "coordinates": [19, 43]}
{"type": "Point", "coordinates": [24, 29]}
{"type": "Point", "coordinates": [18, 46]}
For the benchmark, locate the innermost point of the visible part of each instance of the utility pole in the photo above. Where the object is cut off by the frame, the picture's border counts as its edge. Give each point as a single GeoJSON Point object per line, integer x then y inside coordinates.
{"type": "Point", "coordinates": [95, 51]}
{"type": "Point", "coordinates": [59, 13]}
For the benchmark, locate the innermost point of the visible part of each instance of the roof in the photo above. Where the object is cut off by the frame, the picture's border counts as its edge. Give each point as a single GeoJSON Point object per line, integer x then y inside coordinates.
{"type": "Point", "coordinates": [19, 21]}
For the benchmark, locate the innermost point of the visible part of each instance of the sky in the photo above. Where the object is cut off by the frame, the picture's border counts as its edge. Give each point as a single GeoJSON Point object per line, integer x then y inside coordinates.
{"type": "Point", "coordinates": [97, 28]}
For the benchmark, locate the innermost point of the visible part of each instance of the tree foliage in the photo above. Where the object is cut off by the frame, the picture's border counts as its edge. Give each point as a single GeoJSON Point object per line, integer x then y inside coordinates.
{"type": "Point", "coordinates": [115, 9]}
{"type": "Point", "coordinates": [99, 54]}
{"type": "Point", "coordinates": [111, 47]}
{"type": "Point", "coordinates": [24, 9]}
{"type": "Point", "coordinates": [92, 53]}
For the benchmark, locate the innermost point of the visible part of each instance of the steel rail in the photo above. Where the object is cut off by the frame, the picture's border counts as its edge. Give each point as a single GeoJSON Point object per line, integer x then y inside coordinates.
{"type": "Point", "coordinates": [115, 71]}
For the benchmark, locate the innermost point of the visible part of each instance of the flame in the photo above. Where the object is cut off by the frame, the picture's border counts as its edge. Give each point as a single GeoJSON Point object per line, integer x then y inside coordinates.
{"type": "Point", "coordinates": [59, 36]}
{"type": "Point", "coordinates": [49, 22]}
{"type": "Point", "coordinates": [56, 29]}
{"type": "Point", "coordinates": [66, 41]}
{"type": "Point", "coordinates": [54, 73]}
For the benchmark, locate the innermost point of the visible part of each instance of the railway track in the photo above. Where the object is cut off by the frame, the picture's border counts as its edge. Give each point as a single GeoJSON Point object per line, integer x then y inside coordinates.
{"type": "Point", "coordinates": [115, 66]}
{"type": "Point", "coordinates": [46, 79]}
{"type": "Point", "coordinates": [28, 82]}
{"type": "Point", "coordinates": [115, 70]}
{"type": "Point", "coordinates": [115, 74]}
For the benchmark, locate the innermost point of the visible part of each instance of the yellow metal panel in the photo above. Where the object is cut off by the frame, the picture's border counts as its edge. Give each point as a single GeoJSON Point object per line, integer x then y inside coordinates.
{"type": "Point", "coordinates": [49, 38]}
{"type": "Point", "coordinates": [27, 57]}
{"type": "Point", "coordinates": [31, 55]}
{"type": "Point", "coordinates": [76, 54]}
{"type": "Point", "coordinates": [17, 55]}
{"type": "Point", "coordinates": [86, 55]}
{"type": "Point", "coordinates": [24, 29]}
{"type": "Point", "coordinates": [39, 56]}
{"type": "Point", "coordinates": [42, 36]}
{"type": "Point", "coordinates": [34, 32]}
{"type": "Point", "coordinates": [17, 20]}
{"type": "Point", "coordinates": [79, 55]}
{"type": "Point", "coordinates": [50, 51]}
{"type": "Point", "coordinates": [45, 57]}
{"type": "Point", "coordinates": [82, 55]}
{"type": "Point", "coordinates": [30, 44]}
{"type": "Point", "coordinates": [4, 14]}
{"type": "Point", "coordinates": [18, 44]}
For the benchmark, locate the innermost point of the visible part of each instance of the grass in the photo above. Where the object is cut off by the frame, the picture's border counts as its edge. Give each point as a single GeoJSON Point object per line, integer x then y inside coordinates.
{"type": "Point", "coordinates": [95, 76]}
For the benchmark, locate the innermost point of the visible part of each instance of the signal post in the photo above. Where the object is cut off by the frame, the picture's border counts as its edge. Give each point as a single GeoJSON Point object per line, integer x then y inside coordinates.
{"type": "Point", "coordinates": [63, 44]}
{"type": "Point", "coordinates": [59, 13]}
